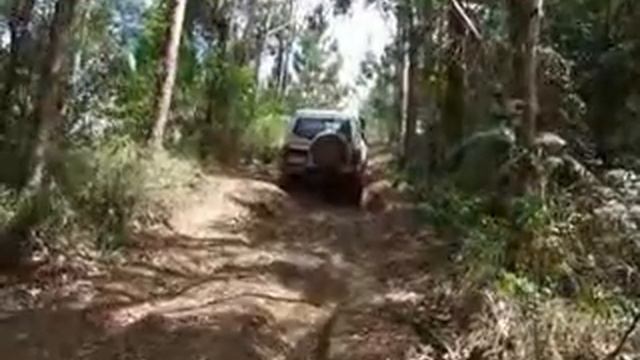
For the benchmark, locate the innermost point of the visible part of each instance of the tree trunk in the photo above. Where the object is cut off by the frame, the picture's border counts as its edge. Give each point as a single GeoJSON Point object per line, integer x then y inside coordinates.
{"type": "Point", "coordinates": [257, 61]}
{"type": "Point", "coordinates": [288, 52]}
{"type": "Point", "coordinates": [49, 106]}
{"type": "Point", "coordinates": [19, 21]}
{"type": "Point", "coordinates": [525, 19]}
{"type": "Point", "coordinates": [454, 102]}
{"type": "Point", "coordinates": [260, 45]}
{"type": "Point", "coordinates": [168, 72]}
{"type": "Point", "coordinates": [280, 75]}
{"type": "Point", "coordinates": [278, 64]}
{"type": "Point", "coordinates": [431, 132]}
{"type": "Point", "coordinates": [249, 38]}
{"type": "Point", "coordinates": [413, 82]}
{"type": "Point", "coordinates": [530, 70]}
{"type": "Point", "coordinates": [400, 74]}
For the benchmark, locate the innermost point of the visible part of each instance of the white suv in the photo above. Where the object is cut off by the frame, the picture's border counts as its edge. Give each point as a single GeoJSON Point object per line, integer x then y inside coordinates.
{"type": "Point", "coordinates": [328, 146]}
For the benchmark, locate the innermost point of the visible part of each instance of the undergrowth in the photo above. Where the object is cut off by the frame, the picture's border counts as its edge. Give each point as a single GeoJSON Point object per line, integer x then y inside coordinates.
{"type": "Point", "coordinates": [104, 193]}
{"type": "Point", "coordinates": [537, 265]}
{"type": "Point", "coordinates": [8, 202]}
{"type": "Point", "coordinates": [262, 137]}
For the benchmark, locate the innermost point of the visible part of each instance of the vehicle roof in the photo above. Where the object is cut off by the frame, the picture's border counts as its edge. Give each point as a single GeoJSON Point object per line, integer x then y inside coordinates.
{"type": "Point", "coordinates": [322, 113]}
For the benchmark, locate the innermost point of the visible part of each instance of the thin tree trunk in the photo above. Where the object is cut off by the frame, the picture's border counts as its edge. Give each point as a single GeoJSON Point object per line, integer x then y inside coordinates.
{"type": "Point", "coordinates": [168, 72]}
{"type": "Point", "coordinates": [517, 38]}
{"type": "Point", "coordinates": [400, 74]}
{"type": "Point", "coordinates": [430, 135]}
{"type": "Point", "coordinates": [599, 115]}
{"type": "Point", "coordinates": [454, 103]}
{"type": "Point", "coordinates": [412, 92]}
{"type": "Point", "coordinates": [292, 35]}
{"type": "Point", "coordinates": [50, 102]}
{"type": "Point", "coordinates": [277, 67]}
{"type": "Point", "coordinates": [19, 21]}
{"type": "Point", "coordinates": [257, 62]}
{"type": "Point", "coordinates": [532, 107]}
{"type": "Point", "coordinates": [261, 39]}
{"type": "Point", "coordinates": [285, 75]}
{"type": "Point", "coordinates": [524, 18]}
{"type": "Point", "coordinates": [249, 37]}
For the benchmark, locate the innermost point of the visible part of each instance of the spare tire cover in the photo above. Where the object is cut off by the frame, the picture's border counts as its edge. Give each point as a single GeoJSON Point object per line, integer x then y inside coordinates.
{"type": "Point", "coordinates": [329, 150]}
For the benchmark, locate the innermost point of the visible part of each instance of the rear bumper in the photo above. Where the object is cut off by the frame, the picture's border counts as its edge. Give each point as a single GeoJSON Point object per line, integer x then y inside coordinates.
{"type": "Point", "coordinates": [298, 163]}
{"type": "Point", "coordinates": [310, 170]}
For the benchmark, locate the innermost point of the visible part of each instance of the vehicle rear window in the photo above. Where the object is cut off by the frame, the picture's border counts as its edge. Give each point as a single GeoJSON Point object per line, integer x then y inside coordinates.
{"type": "Point", "coordinates": [310, 127]}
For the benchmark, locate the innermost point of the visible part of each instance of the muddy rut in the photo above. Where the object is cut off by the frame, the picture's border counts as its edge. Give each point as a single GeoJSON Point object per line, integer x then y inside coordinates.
{"type": "Point", "coordinates": [246, 272]}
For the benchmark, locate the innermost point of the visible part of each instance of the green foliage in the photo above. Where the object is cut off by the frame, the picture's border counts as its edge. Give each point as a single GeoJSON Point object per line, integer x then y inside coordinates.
{"type": "Point", "coordinates": [536, 252]}
{"type": "Point", "coordinates": [602, 42]}
{"type": "Point", "coordinates": [230, 108]}
{"type": "Point", "coordinates": [530, 214]}
{"type": "Point", "coordinates": [602, 302]}
{"type": "Point", "coordinates": [451, 209]}
{"type": "Point", "coordinates": [234, 92]}
{"type": "Point", "coordinates": [136, 82]}
{"type": "Point", "coordinates": [103, 185]}
{"type": "Point", "coordinates": [108, 189]}
{"type": "Point", "coordinates": [136, 85]}
{"type": "Point", "coordinates": [484, 237]}
{"type": "Point", "coordinates": [263, 136]}
{"type": "Point", "coordinates": [527, 242]}
{"type": "Point", "coordinates": [380, 105]}
{"type": "Point", "coordinates": [519, 286]}
{"type": "Point", "coordinates": [317, 65]}
{"type": "Point", "coordinates": [8, 205]}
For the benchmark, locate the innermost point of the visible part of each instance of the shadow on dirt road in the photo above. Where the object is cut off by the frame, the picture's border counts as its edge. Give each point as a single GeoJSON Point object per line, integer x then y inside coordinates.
{"type": "Point", "coordinates": [248, 272]}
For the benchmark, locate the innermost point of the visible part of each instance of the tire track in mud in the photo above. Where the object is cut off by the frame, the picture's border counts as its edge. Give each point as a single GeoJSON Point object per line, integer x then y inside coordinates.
{"type": "Point", "coordinates": [249, 272]}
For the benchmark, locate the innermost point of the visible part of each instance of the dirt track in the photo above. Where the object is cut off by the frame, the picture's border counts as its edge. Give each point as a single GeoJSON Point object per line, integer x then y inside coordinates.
{"type": "Point", "coordinates": [248, 272]}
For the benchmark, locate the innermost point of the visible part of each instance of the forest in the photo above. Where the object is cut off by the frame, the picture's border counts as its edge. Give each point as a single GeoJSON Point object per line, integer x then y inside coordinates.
{"type": "Point", "coordinates": [140, 215]}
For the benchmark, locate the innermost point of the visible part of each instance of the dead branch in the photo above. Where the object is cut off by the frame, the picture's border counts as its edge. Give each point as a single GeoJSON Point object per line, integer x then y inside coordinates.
{"type": "Point", "coordinates": [632, 327]}
{"type": "Point", "coordinates": [466, 20]}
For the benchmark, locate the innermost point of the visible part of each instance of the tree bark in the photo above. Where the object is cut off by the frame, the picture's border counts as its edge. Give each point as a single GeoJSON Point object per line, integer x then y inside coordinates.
{"type": "Point", "coordinates": [278, 64]}
{"type": "Point", "coordinates": [285, 38]}
{"type": "Point", "coordinates": [168, 72]}
{"type": "Point", "coordinates": [288, 52]}
{"type": "Point", "coordinates": [257, 62]}
{"type": "Point", "coordinates": [250, 38]}
{"type": "Point", "coordinates": [413, 89]}
{"type": "Point", "coordinates": [454, 102]}
{"type": "Point", "coordinates": [400, 73]}
{"type": "Point", "coordinates": [530, 69]}
{"type": "Point", "coordinates": [431, 131]}
{"type": "Point", "coordinates": [280, 75]}
{"type": "Point", "coordinates": [525, 19]}
{"type": "Point", "coordinates": [19, 33]}
{"type": "Point", "coordinates": [49, 107]}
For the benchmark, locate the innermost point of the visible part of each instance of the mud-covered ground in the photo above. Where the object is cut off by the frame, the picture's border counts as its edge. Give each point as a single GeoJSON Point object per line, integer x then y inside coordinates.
{"type": "Point", "coordinates": [246, 271]}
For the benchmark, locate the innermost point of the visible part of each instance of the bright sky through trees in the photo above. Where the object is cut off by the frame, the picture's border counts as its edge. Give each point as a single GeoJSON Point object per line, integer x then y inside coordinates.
{"type": "Point", "coordinates": [365, 29]}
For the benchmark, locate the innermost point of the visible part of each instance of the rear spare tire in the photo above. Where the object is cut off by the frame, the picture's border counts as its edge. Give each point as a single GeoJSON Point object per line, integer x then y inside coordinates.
{"type": "Point", "coordinates": [329, 151]}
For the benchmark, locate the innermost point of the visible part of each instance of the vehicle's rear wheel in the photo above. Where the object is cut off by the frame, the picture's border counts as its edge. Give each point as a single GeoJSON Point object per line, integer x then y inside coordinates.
{"type": "Point", "coordinates": [286, 182]}
{"type": "Point", "coordinates": [354, 189]}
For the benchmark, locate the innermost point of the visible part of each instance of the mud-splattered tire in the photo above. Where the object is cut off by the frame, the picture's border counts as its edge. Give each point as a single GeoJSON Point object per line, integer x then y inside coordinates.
{"type": "Point", "coordinates": [354, 189]}
{"type": "Point", "coordinates": [286, 182]}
